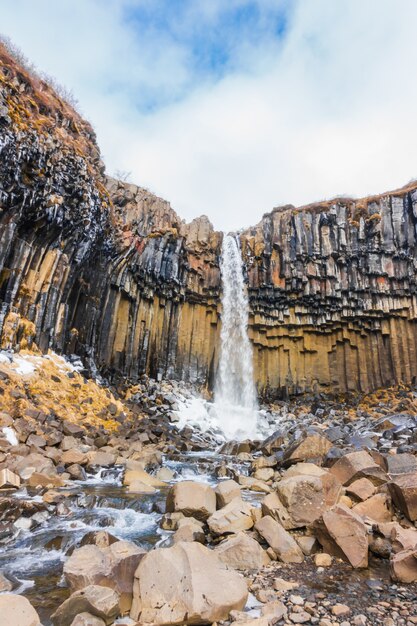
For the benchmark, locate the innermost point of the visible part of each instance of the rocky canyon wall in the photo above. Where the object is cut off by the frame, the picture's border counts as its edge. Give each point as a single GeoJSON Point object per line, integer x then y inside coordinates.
{"type": "Point", "coordinates": [333, 294]}
{"type": "Point", "coordinates": [107, 270]}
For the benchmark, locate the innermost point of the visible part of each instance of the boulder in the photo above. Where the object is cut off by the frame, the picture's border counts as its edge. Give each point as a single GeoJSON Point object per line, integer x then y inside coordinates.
{"type": "Point", "coordinates": [8, 479]}
{"type": "Point", "coordinates": [73, 456]}
{"type": "Point", "coordinates": [137, 486]}
{"type": "Point", "coordinates": [309, 545]}
{"type": "Point", "coordinates": [361, 489]}
{"type": "Point", "coordinates": [253, 484]}
{"type": "Point", "coordinates": [192, 499]}
{"type": "Point", "coordinates": [86, 619]}
{"type": "Point", "coordinates": [98, 601]}
{"type": "Point", "coordinates": [404, 493]}
{"type": "Point", "coordinates": [88, 565]}
{"type": "Point", "coordinates": [264, 473]}
{"type": "Point", "coordinates": [376, 508]}
{"type": "Point", "coordinates": [342, 533]}
{"type": "Point", "coordinates": [241, 552]}
{"type": "Point", "coordinates": [356, 465]}
{"type": "Point", "coordinates": [307, 448]}
{"type": "Point", "coordinates": [284, 546]}
{"type": "Point", "coordinates": [17, 611]}
{"type": "Point", "coordinates": [136, 476]}
{"type": "Point", "coordinates": [305, 497]}
{"type": "Point", "coordinates": [226, 491]}
{"type": "Point", "coordinates": [185, 584]}
{"type": "Point", "coordinates": [125, 557]}
{"type": "Point", "coordinates": [38, 479]}
{"type": "Point", "coordinates": [100, 458]}
{"type": "Point", "coordinates": [398, 464]}
{"type": "Point", "coordinates": [403, 566]}
{"type": "Point", "coordinates": [235, 516]}
{"type": "Point", "coordinates": [99, 538]}
{"type": "Point", "coordinates": [33, 462]}
{"type": "Point", "coordinates": [189, 529]}
{"type": "Point", "coordinates": [109, 566]}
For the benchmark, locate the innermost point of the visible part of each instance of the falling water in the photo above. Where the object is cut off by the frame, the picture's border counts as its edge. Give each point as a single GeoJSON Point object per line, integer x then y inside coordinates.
{"type": "Point", "coordinates": [235, 395]}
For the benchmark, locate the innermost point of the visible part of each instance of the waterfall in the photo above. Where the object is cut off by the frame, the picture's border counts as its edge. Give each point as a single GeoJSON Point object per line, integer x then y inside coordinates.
{"type": "Point", "coordinates": [235, 394]}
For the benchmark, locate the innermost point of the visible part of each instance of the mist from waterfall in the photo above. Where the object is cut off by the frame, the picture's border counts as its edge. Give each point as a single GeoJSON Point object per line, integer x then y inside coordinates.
{"type": "Point", "coordinates": [235, 393]}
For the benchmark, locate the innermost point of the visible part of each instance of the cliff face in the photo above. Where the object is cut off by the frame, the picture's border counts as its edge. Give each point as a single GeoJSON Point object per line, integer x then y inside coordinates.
{"type": "Point", "coordinates": [333, 294]}
{"type": "Point", "coordinates": [107, 270]}
{"type": "Point", "coordinates": [90, 265]}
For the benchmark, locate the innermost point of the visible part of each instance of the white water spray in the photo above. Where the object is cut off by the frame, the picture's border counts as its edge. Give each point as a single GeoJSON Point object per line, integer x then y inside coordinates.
{"type": "Point", "coordinates": [234, 413]}
{"type": "Point", "coordinates": [235, 394]}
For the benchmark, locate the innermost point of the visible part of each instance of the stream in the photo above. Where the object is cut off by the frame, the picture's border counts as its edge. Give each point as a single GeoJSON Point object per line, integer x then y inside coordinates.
{"type": "Point", "coordinates": [34, 558]}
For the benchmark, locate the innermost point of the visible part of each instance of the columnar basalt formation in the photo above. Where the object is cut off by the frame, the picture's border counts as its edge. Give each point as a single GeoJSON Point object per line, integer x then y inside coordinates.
{"type": "Point", "coordinates": [88, 264]}
{"type": "Point", "coordinates": [107, 270]}
{"type": "Point", "coordinates": [333, 294]}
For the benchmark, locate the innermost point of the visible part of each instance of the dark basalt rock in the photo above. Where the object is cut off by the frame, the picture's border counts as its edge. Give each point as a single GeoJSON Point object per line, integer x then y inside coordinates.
{"type": "Point", "coordinates": [106, 270]}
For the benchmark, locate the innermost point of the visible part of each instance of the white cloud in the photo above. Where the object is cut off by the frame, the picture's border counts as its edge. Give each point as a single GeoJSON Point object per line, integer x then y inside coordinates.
{"type": "Point", "coordinates": [328, 110]}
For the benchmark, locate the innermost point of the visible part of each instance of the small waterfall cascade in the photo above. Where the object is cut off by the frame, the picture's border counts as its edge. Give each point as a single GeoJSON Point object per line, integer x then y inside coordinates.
{"type": "Point", "coordinates": [235, 393]}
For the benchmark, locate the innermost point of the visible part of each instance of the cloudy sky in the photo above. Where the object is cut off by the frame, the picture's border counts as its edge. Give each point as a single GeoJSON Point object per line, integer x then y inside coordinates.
{"type": "Point", "coordinates": [232, 107]}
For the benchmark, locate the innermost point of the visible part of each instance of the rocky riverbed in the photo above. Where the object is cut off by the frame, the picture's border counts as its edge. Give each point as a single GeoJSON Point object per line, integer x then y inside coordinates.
{"type": "Point", "coordinates": [114, 511]}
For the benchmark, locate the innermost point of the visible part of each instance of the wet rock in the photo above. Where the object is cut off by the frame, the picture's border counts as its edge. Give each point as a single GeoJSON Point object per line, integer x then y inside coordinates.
{"type": "Point", "coordinates": [99, 601]}
{"type": "Point", "coordinates": [170, 521]}
{"type": "Point", "coordinates": [5, 584]}
{"type": "Point", "coordinates": [343, 534]}
{"type": "Point", "coordinates": [185, 584]}
{"type": "Point", "coordinates": [226, 491]}
{"type": "Point", "coordinates": [404, 493]}
{"type": "Point", "coordinates": [164, 474]}
{"type": "Point", "coordinates": [141, 477]}
{"type": "Point", "coordinates": [17, 611]}
{"type": "Point", "coordinates": [232, 518]}
{"type": "Point", "coordinates": [100, 538]}
{"type": "Point", "coordinates": [111, 566]}
{"type": "Point", "coordinates": [241, 552]}
{"type": "Point", "coordinates": [88, 565]}
{"type": "Point", "coordinates": [284, 546]}
{"type": "Point", "coordinates": [192, 499]}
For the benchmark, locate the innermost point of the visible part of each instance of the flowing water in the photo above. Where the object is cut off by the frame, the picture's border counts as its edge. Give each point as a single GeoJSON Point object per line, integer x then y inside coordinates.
{"type": "Point", "coordinates": [234, 413]}
{"type": "Point", "coordinates": [235, 394]}
{"type": "Point", "coordinates": [34, 558]}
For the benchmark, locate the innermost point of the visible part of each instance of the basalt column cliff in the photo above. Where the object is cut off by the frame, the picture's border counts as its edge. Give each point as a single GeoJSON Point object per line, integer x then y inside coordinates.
{"type": "Point", "coordinates": [104, 269]}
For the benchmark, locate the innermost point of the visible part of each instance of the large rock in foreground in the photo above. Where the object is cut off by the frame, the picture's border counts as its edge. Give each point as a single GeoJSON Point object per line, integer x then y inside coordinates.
{"type": "Point", "coordinates": [98, 601]}
{"type": "Point", "coordinates": [284, 546]}
{"type": "Point", "coordinates": [191, 499]}
{"type": "Point", "coordinates": [241, 552]}
{"type": "Point", "coordinates": [232, 518]}
{"type": "Point", "coordinates": [404, 493]}
{"type": "Point", "coordinates": [185, 584]}
{"type": "Point", "coordinates": [17, 611]}
{"type": "Point", "coordinates": [343, 534]}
